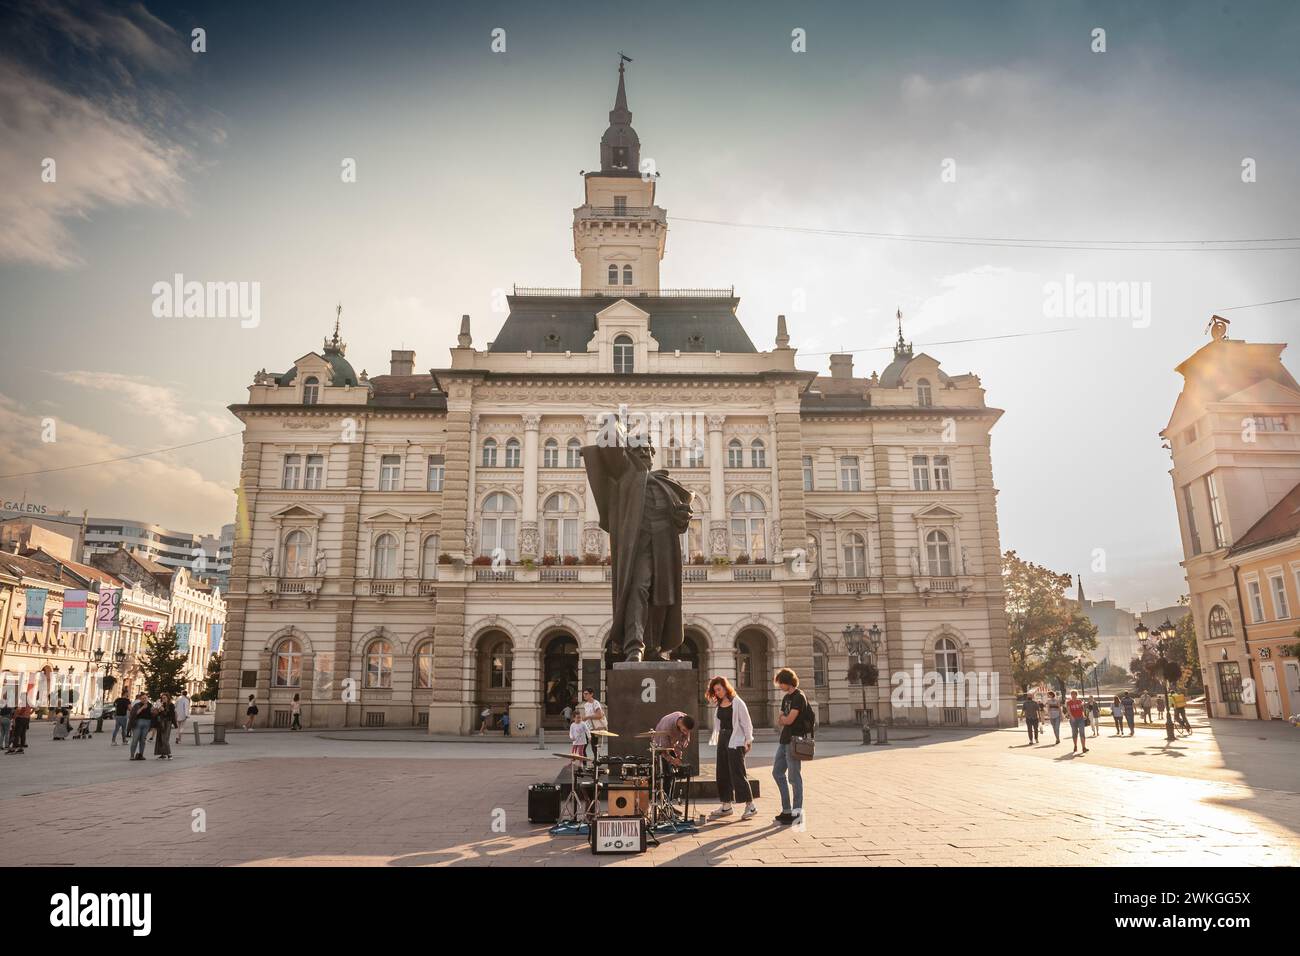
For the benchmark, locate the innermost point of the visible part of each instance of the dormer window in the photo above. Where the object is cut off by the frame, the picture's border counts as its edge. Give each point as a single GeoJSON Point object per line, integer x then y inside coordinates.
{"type": "Point", "coordinates": [311, 390]}
{"type": "Point", "coordinates": [627, 275]}
{"type": "Point", "coordinates": [624, 352]}
{"type": "Point", "coordinates": [924, 398]}
{"type": "Point", "coordinates": [620, 157]}
{"type": "Point", "coordinates": [613, 275]}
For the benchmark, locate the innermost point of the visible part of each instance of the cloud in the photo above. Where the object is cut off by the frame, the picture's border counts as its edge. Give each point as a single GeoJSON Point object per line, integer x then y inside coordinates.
{"type": "Point", "coordinates": [149, 399]}
{"type": "Point", "coordinates": [155, 488]}
{"type": "Point", "coordinates": [97, 117]}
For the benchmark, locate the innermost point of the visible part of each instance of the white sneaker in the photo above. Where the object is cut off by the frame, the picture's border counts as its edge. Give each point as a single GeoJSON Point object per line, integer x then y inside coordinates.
{"type": "Point", "coordinates": [751, 811]}
{"type": "Point", "coordinates": [721, 812]}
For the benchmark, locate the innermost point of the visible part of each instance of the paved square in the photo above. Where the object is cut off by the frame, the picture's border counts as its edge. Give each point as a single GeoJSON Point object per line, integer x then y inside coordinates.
{"type": "Point", "coordinates": [1227, 796]}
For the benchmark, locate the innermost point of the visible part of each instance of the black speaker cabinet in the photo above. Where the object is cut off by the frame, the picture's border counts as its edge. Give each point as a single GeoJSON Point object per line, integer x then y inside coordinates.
{"type": "Point", "coordinates": [543, 803]}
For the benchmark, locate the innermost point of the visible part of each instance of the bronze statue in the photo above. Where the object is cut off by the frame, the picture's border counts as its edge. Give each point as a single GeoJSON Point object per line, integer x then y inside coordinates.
{"type": "Point", "coordinates": [644, 512]}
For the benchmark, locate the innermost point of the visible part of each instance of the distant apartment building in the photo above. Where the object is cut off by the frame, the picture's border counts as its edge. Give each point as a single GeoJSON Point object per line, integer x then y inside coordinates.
{"type": "Point", "coordinates": [172, 549]}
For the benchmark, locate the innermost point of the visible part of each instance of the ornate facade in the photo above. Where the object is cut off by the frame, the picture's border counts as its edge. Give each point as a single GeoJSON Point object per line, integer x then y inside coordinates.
{"type": "Point", "coordinates": [415, 546]}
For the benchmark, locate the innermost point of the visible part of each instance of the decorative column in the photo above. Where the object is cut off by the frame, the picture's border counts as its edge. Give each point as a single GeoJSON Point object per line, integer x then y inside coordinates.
{"type": "Point", "coordinates": [591, 515]}
{"type": "Point", "coordinates": [471, 543]}
{"type": "Point", "coordinates": [717, 488]}
{"type": "Point", "coordinates": [529, 545]}
{"type": "Point", "coordinates": [775, 550]}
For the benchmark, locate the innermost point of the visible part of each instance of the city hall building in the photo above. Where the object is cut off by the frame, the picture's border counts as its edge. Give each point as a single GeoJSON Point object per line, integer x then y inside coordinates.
{"type": "Point", "coordinates": [416, 546]}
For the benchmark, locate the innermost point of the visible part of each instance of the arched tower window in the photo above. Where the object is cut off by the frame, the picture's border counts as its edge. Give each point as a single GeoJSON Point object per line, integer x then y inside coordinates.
{"type": "Point", "coordinates": [624, 355]}
{"type": "Point", "coordinates": [627, 275]}
{"type": "Point", "coordinates": [613, 274]}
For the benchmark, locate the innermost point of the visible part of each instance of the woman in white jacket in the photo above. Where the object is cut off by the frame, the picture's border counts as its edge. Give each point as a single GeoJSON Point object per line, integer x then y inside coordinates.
{"type": "Point", "coordinates": [733, 733]}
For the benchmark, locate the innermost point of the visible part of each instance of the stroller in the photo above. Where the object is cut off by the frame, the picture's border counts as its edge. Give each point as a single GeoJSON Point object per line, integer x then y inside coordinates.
{"type": "Point", "coordinates": [83, 730]}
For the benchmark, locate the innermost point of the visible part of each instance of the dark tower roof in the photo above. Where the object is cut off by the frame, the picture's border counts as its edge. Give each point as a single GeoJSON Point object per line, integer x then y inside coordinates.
{"type": "Point", "coordinates": [620, 147]}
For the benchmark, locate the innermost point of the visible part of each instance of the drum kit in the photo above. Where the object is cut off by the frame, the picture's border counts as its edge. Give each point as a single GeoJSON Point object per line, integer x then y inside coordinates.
{"type": "Point", "coordinates": [645, 787]}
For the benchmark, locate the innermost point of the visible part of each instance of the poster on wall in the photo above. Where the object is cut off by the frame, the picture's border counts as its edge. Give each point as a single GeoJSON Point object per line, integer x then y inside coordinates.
{"type": "Point", "coordinates": [149, 627]}
{"type": "Point", "coordinates": [74, 611]}
{"type": "Point", "coordinates": [214, 644]}
{"type": "Point", "coordinates": [34, 616]}
{"type": "Point", "coordinates": [183, 637]}
{"type": "Point", "coordinates": [109, 609]}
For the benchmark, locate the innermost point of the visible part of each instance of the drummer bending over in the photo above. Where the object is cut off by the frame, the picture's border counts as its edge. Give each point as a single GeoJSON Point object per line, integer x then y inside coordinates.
{"type": "Point", "coordinates": [673, 732]}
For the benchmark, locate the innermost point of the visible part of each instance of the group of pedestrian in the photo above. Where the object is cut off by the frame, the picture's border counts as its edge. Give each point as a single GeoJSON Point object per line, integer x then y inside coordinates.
{"type": "Point", "coordinates": [143, 718]}
{"type": "Point", "coordinates": [14, 721]}
{"type": "Point", "coordinates": [1085, 714]}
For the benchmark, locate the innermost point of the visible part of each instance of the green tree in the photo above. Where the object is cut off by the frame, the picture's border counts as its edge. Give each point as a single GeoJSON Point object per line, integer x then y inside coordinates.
{"type": "Point", "coordinates": [212, 679]}
{"type": "Point", "coordinates": [1047, 633]}
{"type": "Point", "coordinates": [162, 664]}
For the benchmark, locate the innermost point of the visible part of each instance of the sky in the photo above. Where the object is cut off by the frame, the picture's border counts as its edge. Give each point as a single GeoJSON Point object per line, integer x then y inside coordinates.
{"type": "Point", "coordinates": [953, 120]}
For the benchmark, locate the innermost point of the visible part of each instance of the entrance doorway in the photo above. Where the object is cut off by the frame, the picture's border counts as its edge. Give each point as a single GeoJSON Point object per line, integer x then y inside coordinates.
{"type": "Point", "coordinates": [559, 678]}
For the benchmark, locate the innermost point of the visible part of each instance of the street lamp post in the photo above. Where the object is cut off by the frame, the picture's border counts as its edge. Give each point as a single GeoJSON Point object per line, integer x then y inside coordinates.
{"type": "Point", "coordinates": [862, 646]}
{"type": "Point", "coordinates": [1164, 634]}
{"type": "Point", "coordinates": [98, 697]}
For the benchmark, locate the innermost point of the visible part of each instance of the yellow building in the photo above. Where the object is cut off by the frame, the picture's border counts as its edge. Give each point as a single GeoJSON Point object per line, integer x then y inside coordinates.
{"type": "Point", "coordinates": [1265, 562]}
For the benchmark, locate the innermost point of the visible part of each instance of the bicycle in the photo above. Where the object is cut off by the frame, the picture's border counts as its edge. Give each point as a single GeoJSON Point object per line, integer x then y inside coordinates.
{"type": "Point", "coordinates": [1181, 726]}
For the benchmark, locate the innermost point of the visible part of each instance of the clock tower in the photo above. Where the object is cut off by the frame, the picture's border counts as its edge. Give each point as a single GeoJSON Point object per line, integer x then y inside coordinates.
{"type": "Point", "coordinates": [618, 231]}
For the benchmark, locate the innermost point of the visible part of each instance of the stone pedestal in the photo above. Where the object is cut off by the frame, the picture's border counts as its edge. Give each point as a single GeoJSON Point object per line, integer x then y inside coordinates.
{"type": "Point", "coordinates": [640, 694]}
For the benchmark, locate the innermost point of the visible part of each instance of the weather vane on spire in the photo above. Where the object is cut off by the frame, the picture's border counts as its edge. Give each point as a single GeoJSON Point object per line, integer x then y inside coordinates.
{"type": "Point", "coordinates": [901, 348]}
{"type": "Point", "coordinates": [336, 343]}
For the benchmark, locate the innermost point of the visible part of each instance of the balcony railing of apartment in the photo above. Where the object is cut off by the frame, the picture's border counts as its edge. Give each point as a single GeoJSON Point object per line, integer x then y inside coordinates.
{"type": "Point", "coordinates": [625, 212]}
{"type": "Point", "coordinates": [494, 576]}
{"type": "Point", "coordinates": [618, 292]}
{"type": "Point", "coordinates": [559, 575]}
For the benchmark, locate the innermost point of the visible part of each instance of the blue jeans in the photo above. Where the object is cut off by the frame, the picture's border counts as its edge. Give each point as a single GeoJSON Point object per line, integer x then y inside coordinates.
{"type": "Point", "coordinates": [138, 736]}
{"type": "Point", "coordinates": [786, 762]}
{"type": "Point", "coordinates": [1079, 731]}
{"type": "Point", "coordinates": [4, 732]}
{"type": "Point", "coordinates": [1056, 727]}
{"type": "Point", "coordinates": [119, 723]}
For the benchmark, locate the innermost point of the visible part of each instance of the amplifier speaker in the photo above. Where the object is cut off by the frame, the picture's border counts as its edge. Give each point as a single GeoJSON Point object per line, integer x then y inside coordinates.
{"type": "Point", "coordinates": [543, 803]}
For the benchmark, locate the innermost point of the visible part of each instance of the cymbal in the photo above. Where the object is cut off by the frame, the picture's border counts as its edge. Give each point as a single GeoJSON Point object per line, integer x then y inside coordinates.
{"type": "Point", "coordinates": [573, 757]}
{"type": "Point", "coordinates": [644, 736]}
{"type": "Point", "coordinates": [603, 733]}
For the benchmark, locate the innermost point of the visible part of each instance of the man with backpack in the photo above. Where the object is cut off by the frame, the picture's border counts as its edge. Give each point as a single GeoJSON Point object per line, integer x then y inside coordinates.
{"type": "Point", "coordinates": [796, 721]}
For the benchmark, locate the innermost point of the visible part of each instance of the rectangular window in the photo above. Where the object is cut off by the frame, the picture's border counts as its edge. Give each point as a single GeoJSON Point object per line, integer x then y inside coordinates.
{"type": "Point", "coordinates": [620, 205]}
{"type": "Point", "coordinates": [315, 472]}
{"type": "Point", "coordinates": [1270, 423]}
{"type": "Point", "coordinates": [436, 470]}
{"type": "Point", "coordinates": [942, 474]}
{"type": "Point", "coordinates": [1277, 584]}
{"type": "Point", "coordinates": [920, 473]}
{"type": "Point", "coordinates": [1216, 515]}
{"type": "Point", "coordinates": [390, 473]}
{"type": "Point", "coordinates": [1191, 519]}
{"type": "Point", "coordinates": [807, 473]}
{"type": "Point", "coordinates": [850, 478]}
{"type": "Point", "coordinates": [292, 471]}
{"type": "Point", "coordinates": [1256, 601]}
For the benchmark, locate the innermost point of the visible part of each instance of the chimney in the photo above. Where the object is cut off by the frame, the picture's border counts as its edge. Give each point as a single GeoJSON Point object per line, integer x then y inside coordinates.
{"type": "Point", "coordinates": [463, 341]}
{"type": "Point", "coordinates": [842, 365]}
{"type": "Point", "coordinates": [402, 362]}
{"type": "Point", "coordinates": [782, 336]}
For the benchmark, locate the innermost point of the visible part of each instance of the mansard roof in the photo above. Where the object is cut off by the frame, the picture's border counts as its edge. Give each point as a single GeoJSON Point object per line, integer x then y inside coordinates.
{"type": "Point", "coordinates": [547, 323]}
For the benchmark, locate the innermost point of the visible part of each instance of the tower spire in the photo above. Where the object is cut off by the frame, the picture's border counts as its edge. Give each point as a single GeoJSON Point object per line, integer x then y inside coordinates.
{"type": "Point", "coordinates": [901, 349]}
{"type": "Point", "coordinates": [336, 344]}
{"type": "Point", "coordinates": [620, 148]}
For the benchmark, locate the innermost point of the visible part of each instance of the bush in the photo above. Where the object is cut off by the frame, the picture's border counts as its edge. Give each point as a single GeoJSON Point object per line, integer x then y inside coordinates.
{"type": "Point", "coordinates": [698, 558]}
{"type": "Point", "coordinates": [548, 560]}
{"type": "Point", "coordinates": [570, 560]}
{"type": "Point", "coordinates": [590, 558]}
{"type": "Point", "coordinates": [444, 558]}
{"type": "Point", "coordinates": [742, 559]}
{"type": "Point", "coordinates": [482, 561]}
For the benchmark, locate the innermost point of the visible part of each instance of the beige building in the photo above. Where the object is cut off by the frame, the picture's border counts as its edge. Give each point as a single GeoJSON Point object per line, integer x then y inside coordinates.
{"type": "Point", "coordinates": [420, 545]}
{"type": "Point", "coordinates": [1234, 437]}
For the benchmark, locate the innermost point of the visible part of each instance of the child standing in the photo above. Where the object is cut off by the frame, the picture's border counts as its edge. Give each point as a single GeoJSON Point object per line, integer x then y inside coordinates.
{"type": "Point", "coordinates": [578, 735]}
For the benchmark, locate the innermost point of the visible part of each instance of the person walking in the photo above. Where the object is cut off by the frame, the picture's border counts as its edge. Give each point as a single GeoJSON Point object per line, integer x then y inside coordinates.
{"type": "Point", "coordinates": [1094, 715]}
{"type": "Point", "coordinates": [1160, 708]}
{"type": "Point", "coordinates": [1117, 715]}
{"type": "Point", "coordinates": [1054, 715]}
{"type": "Point", "coordinates": [505, 721]}
{"type": "Point", "coordinates": [6, 719]}
{"type": "Point", "coordinates": [164, 718]}
{"type": "Point", "coordinates": [182, 704]}
{"type": "Point", "coordinates": [1128, 704]}
{"type": "Point", "coordinates": [1178, 702]}
{"type": "Point", "coordinates": [121, 717]}
{"type": "Point", "coordinates": [295, 713]}
{"type": "Point", "coordinates": [1145, 703]}
{"type": "Point", "coordinates": [18, 733]}
{"type": "Point", "coordinates": [794, 722]}
{"type": "Point", "coordinates": [1078, 722]}
{"type": "Point", "coordinates": [139, 724]}
{"type": "Point", "coordinates": [733, 735]}
{"type": "Point", "coordinates": [250, 712]}
{"type": "Point", "coordinates": [1031, 718]}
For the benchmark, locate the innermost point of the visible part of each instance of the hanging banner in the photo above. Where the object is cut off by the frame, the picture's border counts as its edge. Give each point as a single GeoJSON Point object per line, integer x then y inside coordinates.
{"type": "Point", "coordinates": [109, 609]}
{"type": "Point", "coordinates": [74, 611]}
{"type": "Point", "coordinates": [214, 639]}
{"type": "Point", "coordinates": [150, 627]}
{"type": "Point", "coordinates": [183, 638]}
{"type": "Point", "coordinates": [34, 616]}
